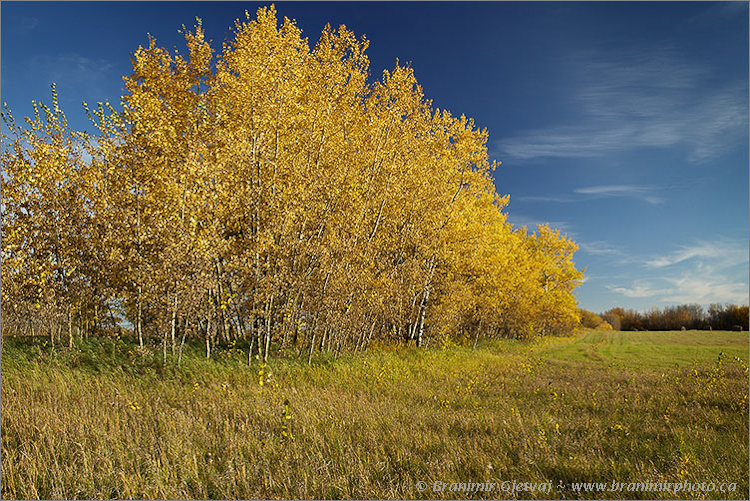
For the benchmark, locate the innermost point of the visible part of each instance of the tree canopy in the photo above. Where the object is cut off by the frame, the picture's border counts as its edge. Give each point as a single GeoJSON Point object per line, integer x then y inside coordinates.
{"type": "Point", "coordinates": [270, 192]}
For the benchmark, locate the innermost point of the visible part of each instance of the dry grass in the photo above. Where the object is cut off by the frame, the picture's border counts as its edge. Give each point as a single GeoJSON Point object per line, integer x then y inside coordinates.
{"type": "Point", "coordinates": [82, 424]}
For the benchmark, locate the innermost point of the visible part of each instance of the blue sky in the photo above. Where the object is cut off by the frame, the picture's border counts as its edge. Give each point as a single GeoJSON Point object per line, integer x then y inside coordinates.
{"type": "Point", "coordinates": [623, 124]}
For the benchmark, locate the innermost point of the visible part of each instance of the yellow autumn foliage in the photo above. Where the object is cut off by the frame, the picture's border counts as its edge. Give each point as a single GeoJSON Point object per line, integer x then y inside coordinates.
{"type": "Point", "coordinates": [276, 195]}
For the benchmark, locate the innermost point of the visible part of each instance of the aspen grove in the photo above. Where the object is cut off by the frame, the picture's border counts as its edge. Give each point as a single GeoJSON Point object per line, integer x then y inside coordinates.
{"type": "Point", "coordinates": [270, 194]}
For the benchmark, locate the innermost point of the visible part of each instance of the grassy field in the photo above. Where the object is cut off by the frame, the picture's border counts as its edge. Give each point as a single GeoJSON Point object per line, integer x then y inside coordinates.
{"type": "Point", "coordinates": [105, 421]}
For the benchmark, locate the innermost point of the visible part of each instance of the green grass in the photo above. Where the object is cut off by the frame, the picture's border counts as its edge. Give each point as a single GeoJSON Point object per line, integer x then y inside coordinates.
{"type": "Point", "coordinates": [655, 350]}
{"type": "Point", "coordinates": [106, 421]}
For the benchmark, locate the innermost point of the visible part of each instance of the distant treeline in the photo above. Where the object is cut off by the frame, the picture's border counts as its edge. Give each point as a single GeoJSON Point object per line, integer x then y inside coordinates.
{"type": "Point", "coordinates": [688, 316]}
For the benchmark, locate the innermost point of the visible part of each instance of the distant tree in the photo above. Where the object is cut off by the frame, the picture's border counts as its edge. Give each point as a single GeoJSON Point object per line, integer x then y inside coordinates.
{"type": "Point", "coordinates": [614, 317]}
{"type": "Point", "coordinates": [590, 319]}
{"type": "Point", "coordinates": [631, 320]}
{"type": "Point", "coordinates": [687, 316]}
{"type": "Point", "coordinates": [727, 317]}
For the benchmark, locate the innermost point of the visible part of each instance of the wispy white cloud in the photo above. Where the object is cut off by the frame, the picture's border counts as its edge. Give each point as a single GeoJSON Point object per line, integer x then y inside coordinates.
{"type": "Point", "coordinates": [688, 289]}
{"type": "Point", "coordinates": [711, 255]}
{"type": "Point", "coordinates": [639, 290]}
{"type": "Point", "coordinates": [563, 142]}
{"type": "Point", "coordinates": [646, 193]}
{"type": "Point", "coordinates": [617, 189]}
{"type": "Point", "coordinates": [648, 97]}
{"type": "Point", "coordinates": [708, 272]}
{"type": "Point", "coordinates": [599, 248]}
{"type": "Point", "coordinates": [720, 119]}
{"type": "Point", "coordinates": [535, 198]}
{"type": "Point", "coordinates": [706, 290]}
